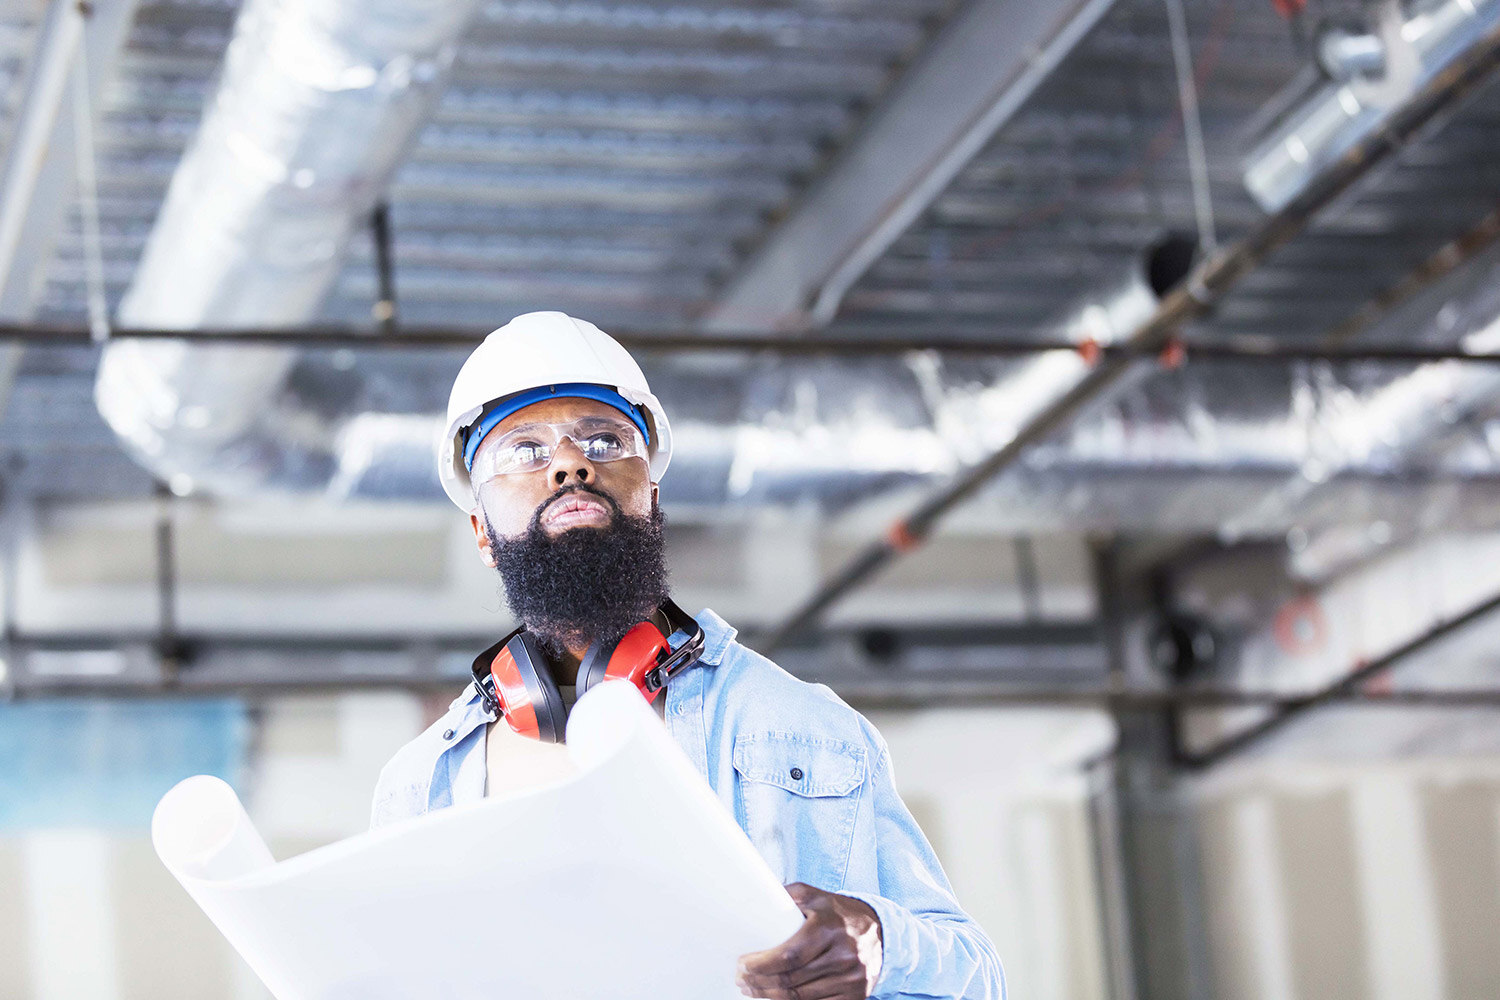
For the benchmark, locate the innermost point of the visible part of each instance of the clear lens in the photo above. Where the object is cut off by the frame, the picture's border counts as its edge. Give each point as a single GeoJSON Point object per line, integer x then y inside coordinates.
{"type": "Point", "coordinates": [530, 447]}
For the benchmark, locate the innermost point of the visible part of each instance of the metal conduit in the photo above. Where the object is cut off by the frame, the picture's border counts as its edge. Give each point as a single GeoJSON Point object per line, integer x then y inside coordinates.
{"type": "Point", "coordinates": [1173, 354]}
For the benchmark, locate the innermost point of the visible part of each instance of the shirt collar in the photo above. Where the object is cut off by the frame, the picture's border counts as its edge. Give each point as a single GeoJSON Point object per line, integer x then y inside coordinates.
{"type": "Point", "coordinates": [717, 635]}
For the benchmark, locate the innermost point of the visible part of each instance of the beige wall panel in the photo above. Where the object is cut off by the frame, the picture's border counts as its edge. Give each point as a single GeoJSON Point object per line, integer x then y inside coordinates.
{"type": "Point", "coordinates": [206, 554]}
{"type": "Point", "coordinates": [1080, 901]}
{"type": "Point", "coordinates": [927, 812]}
{"type": "Point", "coordinates": [15, 962]}
{"type": "Point", "coordinates": [703, 556]}
{"type": "Point", "coordinates": [168, 950]}
{"type": "Point", "coordinates": [1324, 913]}
{"type": "Point", "coordinates": [1231, 957]}
{"type": "Point", "coordinates": [306, 726]}
{"type": "Point", "coordinates": [1463, 840]}
{"type": "Point", "coordinates": [987, 563]}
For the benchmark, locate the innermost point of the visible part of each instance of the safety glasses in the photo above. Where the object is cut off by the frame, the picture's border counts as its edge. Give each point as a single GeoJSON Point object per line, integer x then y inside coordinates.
{"type": "Point", "coordinates": [530, 447]}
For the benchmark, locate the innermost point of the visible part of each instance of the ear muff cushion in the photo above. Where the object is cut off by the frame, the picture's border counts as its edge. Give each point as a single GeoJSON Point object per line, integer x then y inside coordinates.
{"type": "Point", "coordinates": [549, 713]}
{"type": "Point", "coordinates": [595, 663]}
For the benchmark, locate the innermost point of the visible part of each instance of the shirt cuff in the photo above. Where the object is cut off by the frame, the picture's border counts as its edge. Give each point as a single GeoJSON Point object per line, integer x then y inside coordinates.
{"type": "Point", "coordinates": [896, 942]}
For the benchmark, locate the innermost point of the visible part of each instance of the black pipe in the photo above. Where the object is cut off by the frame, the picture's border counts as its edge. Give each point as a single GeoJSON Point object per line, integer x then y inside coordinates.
{"type": "Point", "coordinates": [1339, 690]}
{"type": "Point", "coordinates": [1191, 299]}
{"type": "Point", "coordinates": [168, 646]}
{"type": "Point", "coordinates": [384, 310]}
{"type": "Point", "coordinates": [883, 691]}
{"type": "Point", "coordinates": [1231, 349]}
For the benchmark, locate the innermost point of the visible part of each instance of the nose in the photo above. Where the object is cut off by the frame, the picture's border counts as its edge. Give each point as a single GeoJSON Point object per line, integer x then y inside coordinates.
{"type": "Point", "coordinates": [569, 465]}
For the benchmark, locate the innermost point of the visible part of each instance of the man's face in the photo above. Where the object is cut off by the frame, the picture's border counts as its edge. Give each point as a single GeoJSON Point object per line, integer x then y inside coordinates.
{"type": "Point", "coordinates": [511, 501]}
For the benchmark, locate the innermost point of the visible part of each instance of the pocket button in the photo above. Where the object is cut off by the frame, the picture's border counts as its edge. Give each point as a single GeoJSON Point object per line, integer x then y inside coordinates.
{"type": "Point", "coordinates": [796, 774]}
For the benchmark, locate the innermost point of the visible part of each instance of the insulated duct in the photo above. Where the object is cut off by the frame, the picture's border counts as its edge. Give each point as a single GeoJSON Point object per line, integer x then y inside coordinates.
{"type": "Point", "coordinates": [1368, 77]}
{"type": "Point", "coordinates": [318, 103]}
{"type": "Point", "coordinates": [1410, 418]}
{"type": "Point", "coordinates": [968, 409]}
{"type": "Point", "coordinates": [1178, 451]}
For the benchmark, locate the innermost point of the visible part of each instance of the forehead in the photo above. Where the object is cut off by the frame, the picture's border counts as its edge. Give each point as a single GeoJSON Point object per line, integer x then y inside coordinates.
{"type": "Point", "coordinates": [563, 409]}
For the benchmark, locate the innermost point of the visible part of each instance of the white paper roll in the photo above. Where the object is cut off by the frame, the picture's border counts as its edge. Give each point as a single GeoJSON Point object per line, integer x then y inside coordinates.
{"type": "Point", "coordinates": [627, 880]}
{"type": "Point", "coordinates": [201, 831]}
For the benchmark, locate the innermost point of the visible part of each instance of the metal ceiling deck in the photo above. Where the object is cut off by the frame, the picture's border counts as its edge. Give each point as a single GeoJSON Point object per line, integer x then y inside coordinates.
{"type": "Point", "coordinates": [609, 159]}
{"type": "Point", "coordinates": [1094, 169]}
{"type": "Point", "coordinates": [620, 161]}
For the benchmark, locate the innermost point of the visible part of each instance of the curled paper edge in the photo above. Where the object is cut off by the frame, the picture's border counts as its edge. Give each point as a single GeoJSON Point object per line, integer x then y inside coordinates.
{"type": "Point", "coordinates": [201, 832]}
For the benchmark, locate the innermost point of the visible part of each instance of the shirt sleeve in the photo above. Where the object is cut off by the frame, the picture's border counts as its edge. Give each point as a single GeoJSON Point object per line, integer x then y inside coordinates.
{"type": "Point", "coordinates": [931, 947]}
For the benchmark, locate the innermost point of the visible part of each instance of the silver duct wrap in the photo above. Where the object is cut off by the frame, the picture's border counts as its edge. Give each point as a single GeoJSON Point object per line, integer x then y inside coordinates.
{"type": "Point", "coordinates": [1438, 417]}
{"type": "Point", "coordinates": [318, 103]}
{"type": "Point", "coordinates": [317, 106]}
{"type": "Point", "coordinates": [1368, 76]}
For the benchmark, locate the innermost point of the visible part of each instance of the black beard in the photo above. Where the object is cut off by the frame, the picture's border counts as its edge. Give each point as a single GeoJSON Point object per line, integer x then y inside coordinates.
{"type": "Point", "coordinates": [586, 585]}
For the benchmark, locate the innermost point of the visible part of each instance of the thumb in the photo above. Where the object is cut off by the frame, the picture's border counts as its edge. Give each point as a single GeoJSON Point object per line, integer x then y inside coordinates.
{"type": "Point", "coordinates": [802, 894]}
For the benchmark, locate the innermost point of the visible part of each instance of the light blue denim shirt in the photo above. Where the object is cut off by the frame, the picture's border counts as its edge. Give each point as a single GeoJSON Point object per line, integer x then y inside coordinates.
{"type": "Point", "coordinates": [807, 778]}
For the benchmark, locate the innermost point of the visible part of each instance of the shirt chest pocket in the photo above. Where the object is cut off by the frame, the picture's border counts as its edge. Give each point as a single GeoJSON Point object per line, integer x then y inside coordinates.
{"type": "Point", "coordinates": [797, 798]}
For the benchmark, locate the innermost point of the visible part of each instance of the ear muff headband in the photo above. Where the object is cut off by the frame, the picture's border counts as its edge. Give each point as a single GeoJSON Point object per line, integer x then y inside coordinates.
{"type": "Point", "coordinates": [637, 653]}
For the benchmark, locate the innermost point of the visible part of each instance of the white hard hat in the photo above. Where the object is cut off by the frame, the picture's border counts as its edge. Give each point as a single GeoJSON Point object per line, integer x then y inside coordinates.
{"type": "Point", "coordinates": [533, 351]}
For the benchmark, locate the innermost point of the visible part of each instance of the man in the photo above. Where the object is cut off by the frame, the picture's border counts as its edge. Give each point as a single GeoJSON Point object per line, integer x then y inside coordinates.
{"type": "Point", "coordinates": [554, 448]}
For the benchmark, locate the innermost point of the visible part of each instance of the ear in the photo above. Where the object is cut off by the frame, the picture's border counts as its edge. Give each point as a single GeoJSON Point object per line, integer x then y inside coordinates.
{"type": "Point", "coordinates": [482, 538]}
{"type": "Point", "coordinates": [655, 495]}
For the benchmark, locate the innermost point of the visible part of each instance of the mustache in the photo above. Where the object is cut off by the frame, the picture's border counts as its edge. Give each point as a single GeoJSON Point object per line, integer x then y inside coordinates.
{"type": "Point", "coordinates": [567, 491]}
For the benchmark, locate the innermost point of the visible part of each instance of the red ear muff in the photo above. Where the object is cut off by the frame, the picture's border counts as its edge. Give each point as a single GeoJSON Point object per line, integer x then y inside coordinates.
{"type": "Point", "coordinates": [636, 655]}
{"type": "Point", "coordinates": [524, 692]}
{"type": "Point", "coordinates": [514, 680]}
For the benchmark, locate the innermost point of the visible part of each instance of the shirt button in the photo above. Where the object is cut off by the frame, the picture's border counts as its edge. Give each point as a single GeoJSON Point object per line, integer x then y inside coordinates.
{"type": "Point", "coordinates": [448, 734]}
{"type": "Point", "coordinates": [796, 774]}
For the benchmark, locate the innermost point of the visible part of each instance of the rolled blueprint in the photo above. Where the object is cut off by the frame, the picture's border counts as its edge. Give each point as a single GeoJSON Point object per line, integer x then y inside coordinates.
{"type": "Point", "coordinates": [627, 880]}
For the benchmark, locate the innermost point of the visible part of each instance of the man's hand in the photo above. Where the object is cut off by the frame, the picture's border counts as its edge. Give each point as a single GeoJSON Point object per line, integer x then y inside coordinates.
{"type": "Point", "coordinates": [835, 954]}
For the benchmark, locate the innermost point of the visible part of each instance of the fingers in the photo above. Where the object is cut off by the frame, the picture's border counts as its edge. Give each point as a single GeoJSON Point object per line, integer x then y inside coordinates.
{"type": "Point", "coordinates": [808, 899]}
{"type": "Point", "coordinates": [810, 941]}
{"type": "Point", "coordinates": [802, 892]}
{"type": "Point", "coordinates": [849, 985]}
{"type": "Point", "coordinates": [819, 962]}
{"type": "Point", "coordinates": [757, 979]}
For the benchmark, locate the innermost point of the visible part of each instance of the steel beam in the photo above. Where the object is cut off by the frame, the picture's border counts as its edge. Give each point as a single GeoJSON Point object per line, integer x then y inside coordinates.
{"type": "Point", "coordinates": [37, 179]}
{"type": "Point", "coordinates": [981, 68]}
{"type": "Point", "coordinates": [1437, 266]}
